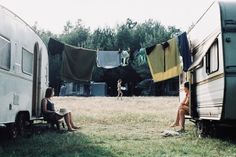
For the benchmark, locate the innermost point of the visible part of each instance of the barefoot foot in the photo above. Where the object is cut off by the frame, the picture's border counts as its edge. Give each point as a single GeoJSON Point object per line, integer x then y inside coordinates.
{"type": "Point", "coordinates": [174, 125]}
{"type": "Point", "coordinates": [76, 127]}
{"type": "Point", "coordinates": [71, 130]}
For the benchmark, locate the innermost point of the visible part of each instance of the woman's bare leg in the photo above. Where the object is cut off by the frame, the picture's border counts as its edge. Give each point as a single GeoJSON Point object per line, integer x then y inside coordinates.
{"type": "Point", "coordinates": [181, 118]}
{"type": "Point", "coordinates": [176, 123]}
{"type": "Point", "coordinates": [71, 122]}
{"type": "Point", "coordinates": [67, 120]}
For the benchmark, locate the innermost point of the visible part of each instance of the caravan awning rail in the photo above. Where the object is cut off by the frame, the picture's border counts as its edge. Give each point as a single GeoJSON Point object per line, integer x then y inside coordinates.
{"type": "Point", "coordinates": [203, 49]}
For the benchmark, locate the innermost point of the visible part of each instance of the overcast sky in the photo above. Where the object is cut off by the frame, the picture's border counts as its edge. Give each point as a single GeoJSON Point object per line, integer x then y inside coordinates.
{"type": "Point", "coordinates": [53, 14]}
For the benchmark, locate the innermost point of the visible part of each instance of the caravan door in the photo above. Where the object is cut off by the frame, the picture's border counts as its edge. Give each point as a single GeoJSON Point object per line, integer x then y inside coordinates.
{"type": "Point", "coordinates": [36, 105]}
{"type": "Point", "coordinates": [230, 75]}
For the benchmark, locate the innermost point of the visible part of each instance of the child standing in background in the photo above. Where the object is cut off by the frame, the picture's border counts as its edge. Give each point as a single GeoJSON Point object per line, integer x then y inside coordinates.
{"type": "Point", "coordinates": [119, 92]}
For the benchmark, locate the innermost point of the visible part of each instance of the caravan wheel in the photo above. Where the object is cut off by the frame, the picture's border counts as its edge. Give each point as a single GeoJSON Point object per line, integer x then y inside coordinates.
{"type": "Point", "coordinates": [21, 124]}
{"type": "Point", "coordinates": [12, 130]}
{"type": "Point", "coordinates": [202, 128]}
{"type": "Point", "coordinates": [206, 128]}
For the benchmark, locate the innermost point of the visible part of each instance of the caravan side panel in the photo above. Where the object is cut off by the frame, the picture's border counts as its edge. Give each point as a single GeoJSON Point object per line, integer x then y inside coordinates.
{"type": "Point", "coordinates": [209, 86]}
{"type": "Point", "coordinates": [16, 80]}
{"type": "Point", "coordinates": [208, 76]}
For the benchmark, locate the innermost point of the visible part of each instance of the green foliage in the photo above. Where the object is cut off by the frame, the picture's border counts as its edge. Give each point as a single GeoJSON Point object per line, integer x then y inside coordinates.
{"type": "Point", "coordinates": [77, 35]}
{"type": "Point", "coordinates": [129, 35]}
{"type": "Point", "coordinates": [44, 34]}
{"type": "Point", "coordinates": [124, 37]}
{"type": "Point", "coordinates": [68, 27]}
{"type": "Point", "coordinates": [103, 39]}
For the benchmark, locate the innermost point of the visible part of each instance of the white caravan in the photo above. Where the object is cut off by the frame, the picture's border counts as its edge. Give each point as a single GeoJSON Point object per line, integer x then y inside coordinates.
{"type": "Point", "coordinates": [212, 75]}
{"type": "Point", "coordinates": [23, 72]}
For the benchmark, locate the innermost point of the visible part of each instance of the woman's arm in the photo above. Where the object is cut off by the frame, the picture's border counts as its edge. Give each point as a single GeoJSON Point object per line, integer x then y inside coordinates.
{"type": "Point", "coordinates": [186, 100]}
{"type": "Point", "coordinates": [183, 102]}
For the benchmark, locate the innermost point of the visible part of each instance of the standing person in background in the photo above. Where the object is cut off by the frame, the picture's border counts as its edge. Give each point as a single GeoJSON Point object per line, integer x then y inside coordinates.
{"type": "Point", "coordinates": [62, 90]}
{"type": "Point", "coordinates": [119, 92]}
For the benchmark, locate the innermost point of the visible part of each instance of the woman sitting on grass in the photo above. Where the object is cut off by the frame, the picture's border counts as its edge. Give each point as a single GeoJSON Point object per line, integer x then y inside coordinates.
{"type": "Point", "coordinates": [183, 109]}
{"type": "Point", "coordinates": [49, 112]}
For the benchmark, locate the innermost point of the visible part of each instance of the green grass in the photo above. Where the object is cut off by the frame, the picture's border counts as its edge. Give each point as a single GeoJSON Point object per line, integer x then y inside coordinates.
{"type": "Point", "coordinates": [115, 131]}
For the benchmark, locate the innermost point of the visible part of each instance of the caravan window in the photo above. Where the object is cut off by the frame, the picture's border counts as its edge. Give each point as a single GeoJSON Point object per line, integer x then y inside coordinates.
{"type": "Point", "coordinates": [5, 53]}
{"type": "Point", "coordinates": [212, 58]}
{"type": "Point", "coordinates": [27, 62]}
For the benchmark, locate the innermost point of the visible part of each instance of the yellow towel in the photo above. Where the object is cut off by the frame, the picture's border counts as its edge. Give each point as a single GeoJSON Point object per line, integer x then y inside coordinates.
{"type": "Point", "coordinates": [172, 54]}
{"type": "Point", "coordinates": [156, 59]}
{"type": "Point", "coordinates": [165, 67]}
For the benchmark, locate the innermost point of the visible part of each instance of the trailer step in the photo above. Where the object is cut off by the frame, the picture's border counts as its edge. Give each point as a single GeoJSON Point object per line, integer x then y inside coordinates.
{"type": "Point", "coordinates": [187, 117]}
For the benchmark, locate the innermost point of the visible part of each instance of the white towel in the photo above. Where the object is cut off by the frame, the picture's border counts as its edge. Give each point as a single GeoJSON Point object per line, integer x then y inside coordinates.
{"type": "Point", "coordinates": [108, 59]}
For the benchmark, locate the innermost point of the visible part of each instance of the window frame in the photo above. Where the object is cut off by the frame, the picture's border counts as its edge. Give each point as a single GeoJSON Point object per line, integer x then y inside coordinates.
{"type": "Point", "coordinates": [200, 65]}
{"type": "Point", "coordinates": [207, 58]}
{"type": "Point", "coordinates": [22, 61]}
{"type": "Point", "coordinates": [7, 40]}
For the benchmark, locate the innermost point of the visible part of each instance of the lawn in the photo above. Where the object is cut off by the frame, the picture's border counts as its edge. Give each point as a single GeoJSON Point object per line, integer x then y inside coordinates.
{"type": "Point", "coordinates": [117, 128]}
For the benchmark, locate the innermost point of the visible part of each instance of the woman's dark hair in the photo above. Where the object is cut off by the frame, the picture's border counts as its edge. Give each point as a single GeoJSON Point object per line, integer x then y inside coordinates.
{"type": "Point", "coordinates": [186, 85]}
{"type": "Point", "coordinates": [49, 92]}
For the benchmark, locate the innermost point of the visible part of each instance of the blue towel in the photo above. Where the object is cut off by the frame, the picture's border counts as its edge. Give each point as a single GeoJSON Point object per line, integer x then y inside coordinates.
{"type": "Point", "coordinates": [184, 51]}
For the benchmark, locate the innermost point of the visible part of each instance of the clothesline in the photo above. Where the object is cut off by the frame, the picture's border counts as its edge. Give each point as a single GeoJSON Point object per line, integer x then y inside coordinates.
{"type": "Point", "coordinates": [164, 60]}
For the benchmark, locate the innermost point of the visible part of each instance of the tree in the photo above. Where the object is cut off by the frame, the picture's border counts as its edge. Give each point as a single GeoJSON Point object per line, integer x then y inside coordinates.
{"type": "Point", "coordinates": [76, 35]}
{"type": "Point", "coordinates": [68, 27]}
{"type": "Point", "coordinates": [103, 39]}
{"type": "Point", "coordinates": [129, 35]}
{"type": "Point", "coordinates": [124, 37]}
{"type": "Point", "coordinates": [44, 34]}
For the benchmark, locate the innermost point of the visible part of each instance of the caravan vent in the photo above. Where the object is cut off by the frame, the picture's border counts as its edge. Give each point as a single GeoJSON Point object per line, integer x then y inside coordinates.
{"type": "Point", "coordinates": [16, 99]}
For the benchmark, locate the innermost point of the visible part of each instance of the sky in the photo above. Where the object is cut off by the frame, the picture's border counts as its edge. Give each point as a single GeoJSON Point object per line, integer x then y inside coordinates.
{"type": "Point", "coordinates": [53, 14]}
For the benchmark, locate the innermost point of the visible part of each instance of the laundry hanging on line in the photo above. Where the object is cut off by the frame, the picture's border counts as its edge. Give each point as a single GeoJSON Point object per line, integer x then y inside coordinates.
{"type": "Point", "coordinates": [55, 46]}
{"type": "Point", "coordinates": [108, 59]}
{"type": "Point", "coordinates": [77, 63]}
{"type": "Point", "coordinates": [141, 57]}
{"type": "Point", "coordinates": [156, 60]}
{"type": "Point", "coordinates": [112, 59]}
{"type": "Point", "coordinates": [139, 63]}
{"type": "Point", "coordinates": [184, 50]}
{"type": "Point", "coordinates": [163, 64]}
{"type": "Point", "coordinates": [124, 58]}
{"type": "Point", "coordinates": [164, 60]}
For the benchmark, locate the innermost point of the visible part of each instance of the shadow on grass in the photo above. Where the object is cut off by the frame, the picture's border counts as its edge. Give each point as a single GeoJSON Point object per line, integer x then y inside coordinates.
{"type": "Point", "coordinates": [226, 134]}
{"type": "Point", "coordinates": [51, 143]}
{"type": "Point", "coordinates": [222, 133]}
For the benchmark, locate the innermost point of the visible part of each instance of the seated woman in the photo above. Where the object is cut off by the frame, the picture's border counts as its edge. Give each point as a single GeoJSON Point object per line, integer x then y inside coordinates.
{"type": "Point", "coordinates": [183, 109]}
{"type": "Point", "coordinates": [48, 110]}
